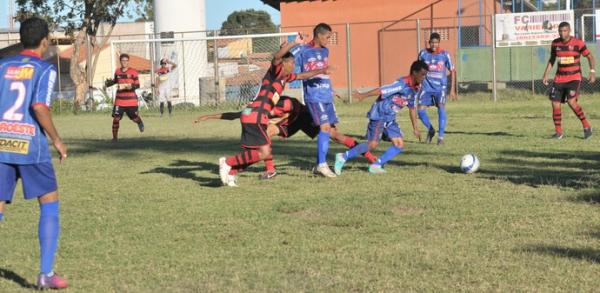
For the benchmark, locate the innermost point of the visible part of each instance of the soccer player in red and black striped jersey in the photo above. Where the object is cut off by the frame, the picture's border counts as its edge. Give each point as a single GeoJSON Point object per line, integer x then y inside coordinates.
{"type": "Point", "coordinates": [288, 117]}
{"type": "Point", "coordinates": [126, 100]}
{"type": "Point", "coordinates": [255, 117]}
{"type": "Point", "coordinates": [567, 50]}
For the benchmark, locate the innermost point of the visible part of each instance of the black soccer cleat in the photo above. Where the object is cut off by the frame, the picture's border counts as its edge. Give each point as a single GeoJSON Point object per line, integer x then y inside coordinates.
{"type": "Point", "coordinates": [440, 141]}
{"type": "Point", "coordinates": [587, 133]}
{"type": "Point", "coordinates": [558, 136]}
{"type": "Point", "coordinates": [430, 134]}
{"type": "Point", "coordinates": [267, 175]}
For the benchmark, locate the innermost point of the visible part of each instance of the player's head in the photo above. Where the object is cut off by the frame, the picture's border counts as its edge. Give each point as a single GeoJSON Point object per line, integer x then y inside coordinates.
{"type": "Point", "coordinates": [288, 63]}
{"type": "Point", "coordinates": [564, 30]}
{"type": "Point", "coordinates": [434, 41]}
{"type": "Point", "coordinates": [418, 71]}
{"type": "Point", "coordinates": [124, 59]}
{"type": "Point", "coordinates": [34, 34]}
{"type": "Point", "coordinates": [321, 34]}
{"type": "Point", "coordinates": [163, 62]}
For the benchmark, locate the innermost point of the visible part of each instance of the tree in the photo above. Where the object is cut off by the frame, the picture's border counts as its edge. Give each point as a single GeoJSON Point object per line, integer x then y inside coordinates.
{"type": "Point", "coordinates": [248, 22]}
{"type": "Point", "coordinates": [81, 19]}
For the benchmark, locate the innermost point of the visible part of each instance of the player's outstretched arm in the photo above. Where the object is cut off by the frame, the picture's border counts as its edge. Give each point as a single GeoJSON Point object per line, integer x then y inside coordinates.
{"type": "Point", "coordinates": [413, 121]}
{"type": "Point", "coordinates": [222, 116]}
{"type": "Point", "coordinates": [309, 74]}
{"type": "Point", "coordinates": [44, 117]}
{"type": "Point", "coordinates": [361, 96]}
{"type": "Point", "coordinates": [285, 47]}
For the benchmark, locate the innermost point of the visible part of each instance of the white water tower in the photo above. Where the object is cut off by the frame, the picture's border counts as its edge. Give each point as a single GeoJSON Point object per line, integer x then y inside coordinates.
{"type": "Point", "coordinates": [187, 19]}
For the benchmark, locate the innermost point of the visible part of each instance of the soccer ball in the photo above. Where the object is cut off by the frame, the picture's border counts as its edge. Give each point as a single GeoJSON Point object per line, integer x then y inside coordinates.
{"type": "Point", "coordinates": [469, 163]}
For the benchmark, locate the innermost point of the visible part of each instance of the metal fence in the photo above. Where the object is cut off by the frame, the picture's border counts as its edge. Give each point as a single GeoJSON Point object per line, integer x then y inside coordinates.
{"type": "Point", "coordinates": [210, 71]}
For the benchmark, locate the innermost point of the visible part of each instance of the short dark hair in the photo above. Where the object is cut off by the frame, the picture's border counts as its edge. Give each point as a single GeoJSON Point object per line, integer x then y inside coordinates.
{"type": "Point", "coordinates": [32, 31]}
{"type": "Point", "coordinates": [321, 28]}
{"type": "Point", "coordinates": [418, 66]}
{"type": "Point", "coordinates": [288, 55]}
{"type": "Point", "coordinates": [563, 24]}
{"type": "Point", "coordinates": [434, 36]}
{"type": "Point", "coordinates": [124, 56]}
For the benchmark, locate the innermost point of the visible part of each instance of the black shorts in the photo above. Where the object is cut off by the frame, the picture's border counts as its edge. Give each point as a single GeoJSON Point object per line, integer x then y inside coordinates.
{"type": "Point", "coordinates": [131, 111]}
{"type": "Point", "coordinates": [254, 135]}
{"type": "Point", "coordinates": [304, 122]}
{"type": "Point", "coordinates": [562, 92]}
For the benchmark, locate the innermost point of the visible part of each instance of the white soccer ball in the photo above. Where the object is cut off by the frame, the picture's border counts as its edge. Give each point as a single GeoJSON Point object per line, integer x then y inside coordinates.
{"type": "Point", "coordinates": [469, 163]}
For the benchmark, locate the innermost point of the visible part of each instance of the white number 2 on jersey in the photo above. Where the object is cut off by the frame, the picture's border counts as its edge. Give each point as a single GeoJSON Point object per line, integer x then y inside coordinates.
{"type": "Point", "coordinates": [11, 114]}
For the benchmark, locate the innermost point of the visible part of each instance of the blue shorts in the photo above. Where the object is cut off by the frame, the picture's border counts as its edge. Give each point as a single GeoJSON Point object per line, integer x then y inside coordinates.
{"type": "Point", "coordinates": [322, 113]}
{"type": "Point", "coordinates": [377, 128]}
{"type": "Point", "coordinates": [37, 180]}
{"type": "Point", "coordinates": [430, 98]}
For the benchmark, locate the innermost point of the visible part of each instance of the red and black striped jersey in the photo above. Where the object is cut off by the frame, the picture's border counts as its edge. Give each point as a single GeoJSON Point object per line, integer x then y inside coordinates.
{"type": "Point", "coordinates": [286, 106]}
{"type": "Point", "coordinates": [271, 88]}
{"type": "Point", "coordinates": [127, 82]}
{"type": "Point", "coordinates": [568, 55]}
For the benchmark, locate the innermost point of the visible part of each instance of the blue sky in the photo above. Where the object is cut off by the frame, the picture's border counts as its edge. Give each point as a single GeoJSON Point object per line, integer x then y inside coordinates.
{"type": "Point", "coordinates": [216, 11]}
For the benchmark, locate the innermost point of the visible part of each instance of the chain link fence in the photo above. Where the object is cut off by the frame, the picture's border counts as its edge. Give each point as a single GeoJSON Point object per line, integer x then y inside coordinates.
{"type": "Point", "coordinates": [209, 71]}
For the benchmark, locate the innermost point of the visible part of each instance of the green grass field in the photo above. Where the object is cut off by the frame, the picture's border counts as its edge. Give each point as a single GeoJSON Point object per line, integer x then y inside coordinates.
{"type": "Point", "coordinates": [148, 215]}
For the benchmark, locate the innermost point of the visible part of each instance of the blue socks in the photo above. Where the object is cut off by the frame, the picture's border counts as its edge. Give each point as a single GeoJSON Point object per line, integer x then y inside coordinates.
{"type": "Point", "coordinates": [359, 149]}
{"type": "Point", "coordinates": [1, 216]}
{"type": "Point", "coordinates": [424, 118]}
{"type": "Point", "coordinates": [322, 147]}
{"type": "Point", "coordinates": [48, 230]}
{"type": "Point", "coordinates": [389, 154]}
{"type": "Point", "coordinates": [442, 121]}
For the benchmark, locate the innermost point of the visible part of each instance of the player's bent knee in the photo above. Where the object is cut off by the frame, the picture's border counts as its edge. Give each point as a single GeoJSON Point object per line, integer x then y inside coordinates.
{"type": "Point", "coordinates": [373, 145]}
{"type": "Point", "coordinates": [48, 197]}
{"type": "Point", "coordinates": [398, 142]}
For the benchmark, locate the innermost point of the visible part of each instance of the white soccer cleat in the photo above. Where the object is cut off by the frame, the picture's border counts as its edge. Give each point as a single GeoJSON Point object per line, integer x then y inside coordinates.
{"type": "Point", "coordinates": [231, 181]}
{"type": "Point", "coordinates": [324, 170]}
{"type": "Point", "coordinates": [224, 170]}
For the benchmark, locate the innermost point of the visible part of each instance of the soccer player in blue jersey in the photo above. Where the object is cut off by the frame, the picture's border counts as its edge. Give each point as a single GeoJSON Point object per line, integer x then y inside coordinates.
{"type": "Point", "coordinates": [433, 90]}
{"type": "Point", "coordinates": [382, 118]}
{"type": "Point", "coordinates": [318, 96]}
{"type": "Point", "coordinates": [26, 86]}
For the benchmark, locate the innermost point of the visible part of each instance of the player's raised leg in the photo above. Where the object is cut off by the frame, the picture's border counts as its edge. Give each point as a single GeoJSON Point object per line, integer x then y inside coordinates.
{"type": "Point", "coordinates": [394, 150]}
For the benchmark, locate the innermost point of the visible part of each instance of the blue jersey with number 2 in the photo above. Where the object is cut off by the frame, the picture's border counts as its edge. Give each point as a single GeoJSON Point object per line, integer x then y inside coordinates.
{"type": "Point", "coordinates": [25, 80]}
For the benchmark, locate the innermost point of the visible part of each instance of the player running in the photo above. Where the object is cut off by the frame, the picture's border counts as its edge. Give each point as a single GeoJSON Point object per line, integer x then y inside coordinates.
{"type": "Point", "coordinates": [318, 96]}
{"type": "Point", "coordinates": [382, 118]}
{"type": "Point", "coordinates": [295, 118]}
{"type": "Point", "coordinates": [568, 51]}
{"type": "Point", "coordinates": [126, 100]}
{"type": "Point", "coordinates": [433, 90]}
{"type": "Point", "coordinates": [255, 117]}
{"type": "Point", "coordinates": [26, 86]}
{"type": "Point", "coordinates": [164, 84]}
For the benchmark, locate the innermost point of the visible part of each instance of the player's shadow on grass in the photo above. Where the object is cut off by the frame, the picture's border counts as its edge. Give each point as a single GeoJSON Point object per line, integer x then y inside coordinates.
{"type": "Point", "coordinates": [12, 276]}
{"type": "Point", "coordinates": [585, 254]}
{"type": "Point", "coordinates": [534, 168]}
{"type": "Point", "coordinates": [127, 147]}
{"type": "Point", "coordinates": [495, 133]}
{"type": "Point", "coordinates": [184, 169]}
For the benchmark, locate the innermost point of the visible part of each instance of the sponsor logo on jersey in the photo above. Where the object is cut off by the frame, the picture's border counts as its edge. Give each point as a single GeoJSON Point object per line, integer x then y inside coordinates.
{"type": "Point", "coordinates": [11, 145]}
{"type": "Point", "coordinates": [19, 73]}
{"type": "Point", "coordinates": [17, 128]}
